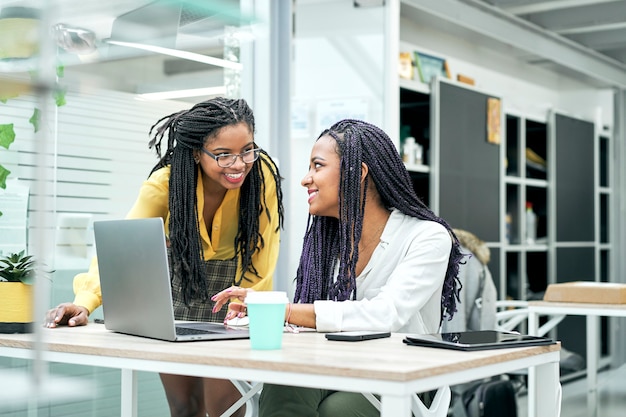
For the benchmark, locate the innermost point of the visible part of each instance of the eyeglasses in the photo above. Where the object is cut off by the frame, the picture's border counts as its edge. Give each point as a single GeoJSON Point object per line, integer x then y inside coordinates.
{"type": "Point", "coordinates": [227, 159]}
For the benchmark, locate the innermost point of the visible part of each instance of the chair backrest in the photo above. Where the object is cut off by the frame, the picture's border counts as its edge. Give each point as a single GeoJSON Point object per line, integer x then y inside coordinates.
{"type": "Point", "coordinates": [512, 315]}
{"type": "Point", "coordinates": [477, 309]}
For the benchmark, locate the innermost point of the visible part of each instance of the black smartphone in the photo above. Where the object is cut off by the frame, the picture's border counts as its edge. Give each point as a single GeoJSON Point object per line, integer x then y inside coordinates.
{"type": "Point", "coordinates": [356, 336]}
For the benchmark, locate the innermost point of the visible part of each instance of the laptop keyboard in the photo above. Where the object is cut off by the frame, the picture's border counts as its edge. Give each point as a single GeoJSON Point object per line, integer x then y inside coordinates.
{"type": "Point", "coordinates": [184, 331]}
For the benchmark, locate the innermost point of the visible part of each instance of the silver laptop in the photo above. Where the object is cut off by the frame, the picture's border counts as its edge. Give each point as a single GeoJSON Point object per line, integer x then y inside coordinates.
{"type": "Point", "coordinates": [135, 282]}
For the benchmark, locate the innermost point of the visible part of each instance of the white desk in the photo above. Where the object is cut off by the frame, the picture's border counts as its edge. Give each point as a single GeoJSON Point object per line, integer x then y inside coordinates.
{"type": "Point", "coordinates": [385, 366]}
{"type": "Point", "coordinates": [592, 313]}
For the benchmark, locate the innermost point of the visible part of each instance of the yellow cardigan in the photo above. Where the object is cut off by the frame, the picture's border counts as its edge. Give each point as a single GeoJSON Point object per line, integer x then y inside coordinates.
{"type": "Point", "coordinates": [153, 201]}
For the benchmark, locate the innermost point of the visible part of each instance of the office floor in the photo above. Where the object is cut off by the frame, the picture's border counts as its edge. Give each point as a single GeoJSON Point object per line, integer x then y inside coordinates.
{"type": "Point", "coordinates": [611, 398]}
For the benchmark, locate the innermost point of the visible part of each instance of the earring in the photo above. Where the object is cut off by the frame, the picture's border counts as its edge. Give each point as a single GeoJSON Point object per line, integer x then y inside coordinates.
{"type": "Point", "coordinates": [197, 160]}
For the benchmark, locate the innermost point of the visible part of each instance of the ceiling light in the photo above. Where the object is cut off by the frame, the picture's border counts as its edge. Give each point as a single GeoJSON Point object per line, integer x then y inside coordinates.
{"type": "Point", "coordinates": [75, 40]}
{"type": "Point", "coordinates": [194, 92]}
{"type": "Point", "coordinates": [181, 54]}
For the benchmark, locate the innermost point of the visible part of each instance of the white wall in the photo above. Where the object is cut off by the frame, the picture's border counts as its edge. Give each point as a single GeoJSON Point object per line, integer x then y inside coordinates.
{"type": "Point", "coordinates": [338, 72]}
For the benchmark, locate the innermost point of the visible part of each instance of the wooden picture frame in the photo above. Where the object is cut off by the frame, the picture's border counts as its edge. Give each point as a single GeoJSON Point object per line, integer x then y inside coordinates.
{"type": "Point", "coordinates": [429, 66]}
{"type": "Point", "coordinates": [494, 129]}
{"type": "Point", "coordinates": [405, 66]}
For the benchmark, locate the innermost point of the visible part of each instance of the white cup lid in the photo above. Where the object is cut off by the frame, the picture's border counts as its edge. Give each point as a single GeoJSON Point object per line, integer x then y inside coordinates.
{"type": "Point", "coordinates": [266, 297]}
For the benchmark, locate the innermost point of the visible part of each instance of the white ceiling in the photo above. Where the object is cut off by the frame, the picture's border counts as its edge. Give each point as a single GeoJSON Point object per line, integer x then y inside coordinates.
{"type": "Point", "coordinates": [584, 38]}
{"type": "Point", "coordinates": [599, 25]}
{"type": "Point", "coordinates": [194, 26]}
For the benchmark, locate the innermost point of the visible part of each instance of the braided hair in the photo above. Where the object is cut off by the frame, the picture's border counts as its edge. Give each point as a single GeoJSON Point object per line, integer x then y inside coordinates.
{"type": "Point", "coordinates": [189, 130]}
{"type": "Point", "coordinates": [329, 240]}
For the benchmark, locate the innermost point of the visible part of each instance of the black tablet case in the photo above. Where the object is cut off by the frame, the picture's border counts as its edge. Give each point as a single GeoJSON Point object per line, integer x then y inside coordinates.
{"type": "Point", "coordinates": [476, 340]}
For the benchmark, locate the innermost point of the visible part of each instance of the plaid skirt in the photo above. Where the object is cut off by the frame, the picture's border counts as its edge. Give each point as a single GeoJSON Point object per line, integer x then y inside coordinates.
{"type": "Point", "coordinates": [219, 274]}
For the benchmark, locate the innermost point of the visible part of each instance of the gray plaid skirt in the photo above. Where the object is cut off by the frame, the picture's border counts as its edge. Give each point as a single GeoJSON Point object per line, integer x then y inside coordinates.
{"type": "Point", "coordinates": [219, 274]}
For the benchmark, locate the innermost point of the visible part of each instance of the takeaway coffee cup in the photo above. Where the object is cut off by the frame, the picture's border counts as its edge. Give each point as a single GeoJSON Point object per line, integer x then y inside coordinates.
{"type": "Point", "coordinates": [266, 310]}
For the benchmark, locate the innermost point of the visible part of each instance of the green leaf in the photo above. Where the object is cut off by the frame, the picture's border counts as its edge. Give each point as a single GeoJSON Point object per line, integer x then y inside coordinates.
{"type": "Point", "coordinates": [7, 135]}
{"type": "Point", "coordinates": [35, 119]}
{"type": "Point", "coordinates": [59, 97]}
{"type": "Point", "coordinates": [4, 173]}
{"type": "Point", "coordinates": [60, 71]}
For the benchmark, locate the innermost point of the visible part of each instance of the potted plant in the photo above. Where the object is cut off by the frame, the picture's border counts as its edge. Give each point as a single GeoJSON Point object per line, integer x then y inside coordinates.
{"type": "Point", "coordinates": [17, 274]}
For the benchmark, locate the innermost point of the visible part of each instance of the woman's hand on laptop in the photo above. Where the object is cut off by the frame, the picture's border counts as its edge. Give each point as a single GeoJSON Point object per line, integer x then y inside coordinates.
{"type": "Point", "coordinates": [67, 313]}
{"type": "Point", "coordinates": [235, 311]}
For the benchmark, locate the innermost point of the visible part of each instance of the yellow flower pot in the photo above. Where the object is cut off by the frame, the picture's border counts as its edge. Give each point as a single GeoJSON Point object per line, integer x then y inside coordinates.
{"type": "Point", "coordinates": [16, 307]}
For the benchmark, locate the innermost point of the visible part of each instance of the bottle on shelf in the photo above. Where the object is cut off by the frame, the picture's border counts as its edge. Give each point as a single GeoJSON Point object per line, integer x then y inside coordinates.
{"type": "Point", "coordinates": [531, 224]}
{"type": "Point", "coordinates": [408, 150]}
{"type": "Point", "coordinates": [508, 219]}
{"type": "Point", "coordinates": [419, 154]}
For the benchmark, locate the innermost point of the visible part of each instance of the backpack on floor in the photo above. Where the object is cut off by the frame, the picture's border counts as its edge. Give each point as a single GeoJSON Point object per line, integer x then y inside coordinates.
{"type": "Point", "coordinates": [490, 398]}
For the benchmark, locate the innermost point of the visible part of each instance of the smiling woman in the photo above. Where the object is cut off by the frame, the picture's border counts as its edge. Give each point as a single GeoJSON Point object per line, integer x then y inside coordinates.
{"type": "Point", "coordinates": [221, 202]}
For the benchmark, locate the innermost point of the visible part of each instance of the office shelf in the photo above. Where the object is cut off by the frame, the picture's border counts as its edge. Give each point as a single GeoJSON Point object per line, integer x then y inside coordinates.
{"type": "Point", "coordinates": [558, 164]}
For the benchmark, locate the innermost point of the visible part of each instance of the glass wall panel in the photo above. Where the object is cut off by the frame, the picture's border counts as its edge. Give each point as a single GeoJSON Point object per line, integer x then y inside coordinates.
{"type": "Point", "coordinates": [78, 96]}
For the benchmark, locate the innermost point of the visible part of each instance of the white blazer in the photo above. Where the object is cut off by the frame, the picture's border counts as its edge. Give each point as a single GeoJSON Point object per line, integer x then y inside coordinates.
{"type": "Point", "coordinates": [400, 288]}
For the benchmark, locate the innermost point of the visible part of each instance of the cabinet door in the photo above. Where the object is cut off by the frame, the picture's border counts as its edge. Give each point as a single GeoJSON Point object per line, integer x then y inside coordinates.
{"type": "Point", "coordinates": [574, 191]}
{"type": "Point", "coordinates": [468, 165]}
{"type": "Point", "coordinates": [574, 172]}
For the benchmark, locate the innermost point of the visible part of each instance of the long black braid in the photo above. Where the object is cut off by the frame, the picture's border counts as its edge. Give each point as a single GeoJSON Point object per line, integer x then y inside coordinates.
{"type": "Point", "coordinates": [188, 130]}
{"type": "Point", "coordinates": [329, 240]}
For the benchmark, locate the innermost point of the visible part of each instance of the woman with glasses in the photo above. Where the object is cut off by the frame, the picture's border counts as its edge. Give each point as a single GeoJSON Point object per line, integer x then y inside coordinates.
{"type": "Point", "coordinates": [221, 201]}
{"type": "Point", "coordinates": [374, 258]}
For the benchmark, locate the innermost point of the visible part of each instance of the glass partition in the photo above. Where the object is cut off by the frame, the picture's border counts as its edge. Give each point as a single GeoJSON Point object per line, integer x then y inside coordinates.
{"type": "Point", "coordinates": [81, 83]}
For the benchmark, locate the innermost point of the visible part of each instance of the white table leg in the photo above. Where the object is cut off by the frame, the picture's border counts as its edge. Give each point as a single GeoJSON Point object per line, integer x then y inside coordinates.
{"type": "Point", "coordinates": [533, 323]}
{"type": "Point", "coordinates": [592, 365]}
{"type": "Point", "coordinates": [129, 393]}
{"type": "Point", "coordinates": [395, 406]}
{"type": "Point", "coordinates": [546, 399]}
{"type": "Point", "coordinates": [533, 328]}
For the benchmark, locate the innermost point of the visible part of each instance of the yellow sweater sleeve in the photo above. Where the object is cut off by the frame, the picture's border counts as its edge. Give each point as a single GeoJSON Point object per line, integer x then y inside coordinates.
{"type": "Point", "coordinates": [87, 291]}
